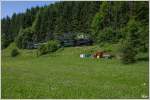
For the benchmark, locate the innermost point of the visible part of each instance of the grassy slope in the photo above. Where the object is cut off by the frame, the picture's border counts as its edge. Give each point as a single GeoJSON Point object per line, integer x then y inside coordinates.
{"type": "Point", "coordinates": [65, 75]}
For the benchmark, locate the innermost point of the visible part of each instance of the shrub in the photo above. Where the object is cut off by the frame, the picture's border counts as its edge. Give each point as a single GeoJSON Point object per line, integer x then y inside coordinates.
{"type": "Point", "coordinates": [42, 49]}
{"type": "Point", "coordinates": [14, 52]}
{"type": "Point", "coordinates": [128, 53]}
{"type": "Point", "coordinates": [135, 41]}
{"type": "Point", "coordinates": [50, 46]}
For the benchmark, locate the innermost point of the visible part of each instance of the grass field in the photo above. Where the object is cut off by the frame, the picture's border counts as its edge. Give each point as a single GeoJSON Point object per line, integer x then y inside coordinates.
{"type": "Point", "coordinates": [64, 75]}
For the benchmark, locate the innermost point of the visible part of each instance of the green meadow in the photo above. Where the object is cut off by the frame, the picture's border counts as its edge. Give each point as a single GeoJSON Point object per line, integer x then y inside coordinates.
{"type": "Point", "coordinates": [64, 74]}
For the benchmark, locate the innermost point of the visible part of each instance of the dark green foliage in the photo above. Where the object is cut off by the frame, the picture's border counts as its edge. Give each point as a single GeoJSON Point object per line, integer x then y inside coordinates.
{"type": "Point", "coordinates": [4, 41]}
{"type": "Point", "coordinates": [96, 24]}
{"type": "Point", "coordinates": [111, 16]}
{"type": "Point", "coordinates": [14, 52]}
{"type": "Point", "coordinates": [144, 39]}
{"type": "Point", "coordinates": [61, 17]}
{"type": "Point", "coordinates": [24, 37]}
{"type": "Point", "coordinates": [128, 52]}
{"type": "Point", "coordinates": [108, 35]}
{"type": "Point", "coordinates": [132, 43]}
{"type": "Point", "coordinates": [50, 46]}
{"type": "Point", "coordinates": [5, 25]}
{"type": "Point", "coordinates": [134, 33]}
{"type": "Point", "coordinates": [116, 15]}
{"type": "Point", "coordinates": [42, 49]}
{"type": "Point", "coordinates": [75, 17]}
{"type": "Point", "coordinates": [6, 35]}
{"type": "Point", "coordinates": [12, 26]}
{"type": "Point", "coordinates": [123, 20]}
{"type": "Point", "coordinates": [142, 12]}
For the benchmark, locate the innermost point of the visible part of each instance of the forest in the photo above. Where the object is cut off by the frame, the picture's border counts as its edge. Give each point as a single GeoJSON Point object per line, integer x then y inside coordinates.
{"type": "Point", "coordinates": [126, 23]}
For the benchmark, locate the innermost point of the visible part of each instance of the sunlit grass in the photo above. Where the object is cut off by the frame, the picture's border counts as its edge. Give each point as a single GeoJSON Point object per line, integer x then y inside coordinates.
{"type": "Point", "coordinates": [64, 75]}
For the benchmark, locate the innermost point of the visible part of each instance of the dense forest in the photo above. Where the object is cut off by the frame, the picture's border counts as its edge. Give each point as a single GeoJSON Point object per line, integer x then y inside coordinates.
{"type": "Point", "coordinates": [124, 22]}
{"type": "Point", "coordinates": [45, 22]}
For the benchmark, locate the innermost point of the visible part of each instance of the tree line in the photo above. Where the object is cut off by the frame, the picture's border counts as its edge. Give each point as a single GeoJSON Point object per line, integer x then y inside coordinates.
{"type": "Point", "coordinates": [47, 21]}
{"type": "Point", "coordinates": [124, 22]}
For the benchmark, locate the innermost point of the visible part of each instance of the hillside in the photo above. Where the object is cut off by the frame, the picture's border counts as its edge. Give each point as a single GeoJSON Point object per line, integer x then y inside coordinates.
{"type": "Point", "coordinates": [64, 74]}
{"type": "Point", "coordinates": [50, 39]}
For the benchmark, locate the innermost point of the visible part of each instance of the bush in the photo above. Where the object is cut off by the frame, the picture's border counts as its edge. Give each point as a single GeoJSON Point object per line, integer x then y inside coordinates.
{"type": "Point", "coordinates": [50, 46]}
{"type": "Point", "coordinates": [42, 49]}
{"type": "Point", "coordinates": [136, 41]}
{"type": "Point", "coordinates": [128, 53]}
{"type": "Point", "coordinates": [14, 52]}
